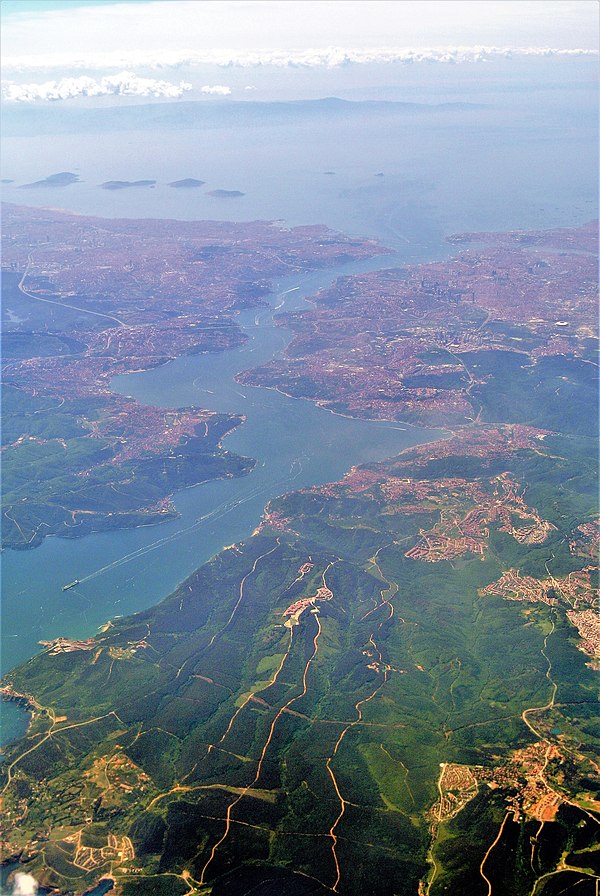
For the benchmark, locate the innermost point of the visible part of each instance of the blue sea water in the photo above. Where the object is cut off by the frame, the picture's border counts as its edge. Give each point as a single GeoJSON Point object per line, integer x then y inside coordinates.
{"type": "Point", "coordinates": [407, 176]}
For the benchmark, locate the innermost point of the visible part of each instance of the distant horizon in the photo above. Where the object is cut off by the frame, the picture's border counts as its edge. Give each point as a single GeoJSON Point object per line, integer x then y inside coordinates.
{"type": "Point", "coordinates": [54, 50]}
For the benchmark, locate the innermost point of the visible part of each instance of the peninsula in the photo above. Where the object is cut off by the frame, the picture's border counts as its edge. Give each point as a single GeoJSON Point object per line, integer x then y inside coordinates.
{"type": "Point", "coordinates": [86, 299]}
{"type": "Point", "coordinates": [395, 678]}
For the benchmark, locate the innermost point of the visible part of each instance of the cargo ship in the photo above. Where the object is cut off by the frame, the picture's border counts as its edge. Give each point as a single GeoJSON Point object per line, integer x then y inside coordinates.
{"type": "Point", "coordinates": [70, 585]}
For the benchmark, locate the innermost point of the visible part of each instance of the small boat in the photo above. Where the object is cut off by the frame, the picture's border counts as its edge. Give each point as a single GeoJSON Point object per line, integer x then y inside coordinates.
{"type": "Point", "coordinates": [70, 585]}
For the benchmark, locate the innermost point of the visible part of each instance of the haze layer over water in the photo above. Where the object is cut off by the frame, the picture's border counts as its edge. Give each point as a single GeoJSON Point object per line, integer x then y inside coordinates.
{"type": "Point", "coordinates": [407, 175]}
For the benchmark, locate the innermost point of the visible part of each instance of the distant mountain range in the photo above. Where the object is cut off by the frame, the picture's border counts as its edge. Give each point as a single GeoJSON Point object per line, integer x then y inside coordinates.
{"type": "Point", "coordinates": [25, 120]}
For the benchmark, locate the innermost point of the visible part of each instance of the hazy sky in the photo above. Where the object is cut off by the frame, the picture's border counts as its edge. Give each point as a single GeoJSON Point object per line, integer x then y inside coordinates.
{"type": "Point", "coordinates": [60, 49]}
{"type": "Point", "coordinates": [32, 28]}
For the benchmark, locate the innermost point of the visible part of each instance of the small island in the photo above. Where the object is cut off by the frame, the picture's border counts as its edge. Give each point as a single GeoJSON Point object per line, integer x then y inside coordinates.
{"type": "Point", "coordinates": [225, 194]}
{"type": "Point", "coordinates": [124, 184]}
{"type": "Point", "coordinates": [62, 179]}
{"type": "Point", "coordinates": [187, 183]}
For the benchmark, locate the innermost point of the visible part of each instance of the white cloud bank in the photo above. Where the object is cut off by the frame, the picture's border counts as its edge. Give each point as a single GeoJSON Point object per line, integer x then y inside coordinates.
{"type": "Point", "coordinates": [329, 57]}
{"type": "Point", "coordinates": [216, 90]}
{"type": "Point", "coordinates": [24, 884]}
{"type": "Point", "coordinates": [238, 30]}
{"type": "Point", "coordinates": [126, 83]}
{"type": "Point", "coordinates": [122, 84]}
